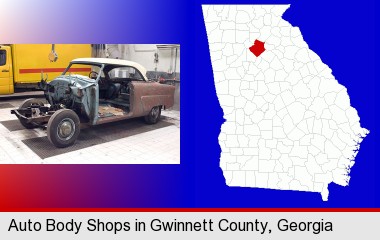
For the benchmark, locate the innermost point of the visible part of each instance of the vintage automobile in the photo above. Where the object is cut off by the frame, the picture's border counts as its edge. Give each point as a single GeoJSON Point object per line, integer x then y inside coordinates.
{"type": "Point", "coordinates": [114, 90]}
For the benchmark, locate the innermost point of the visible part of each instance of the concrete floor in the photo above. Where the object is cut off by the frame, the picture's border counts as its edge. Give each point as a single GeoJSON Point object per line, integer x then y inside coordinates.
{"type": "Point", "coordinates": [153, 144]}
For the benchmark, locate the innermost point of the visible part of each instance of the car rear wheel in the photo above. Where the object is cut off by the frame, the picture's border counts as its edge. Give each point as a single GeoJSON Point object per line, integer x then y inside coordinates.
{"type": "Point", "coordinates": [63, 128]}
{"type": "Point", "coordinates": [29, 103]}
{"type": "Point", "coordinates": [154, 115]}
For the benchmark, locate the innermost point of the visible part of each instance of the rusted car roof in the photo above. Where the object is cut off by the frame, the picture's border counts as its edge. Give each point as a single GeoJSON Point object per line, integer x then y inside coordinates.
{"type": "Point", "coordinates": [111, 61]}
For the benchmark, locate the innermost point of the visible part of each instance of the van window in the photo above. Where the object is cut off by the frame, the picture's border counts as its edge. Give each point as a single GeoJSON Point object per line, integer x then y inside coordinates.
{"type": "Point", "coordinates": [3, 57]}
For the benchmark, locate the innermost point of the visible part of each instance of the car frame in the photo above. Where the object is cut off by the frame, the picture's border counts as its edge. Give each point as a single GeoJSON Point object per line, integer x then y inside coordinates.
{"type": "Point", "coordinates": [95, 99]}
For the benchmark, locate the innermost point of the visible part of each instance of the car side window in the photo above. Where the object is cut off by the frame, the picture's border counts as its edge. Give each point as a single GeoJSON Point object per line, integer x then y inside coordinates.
{"type": "Point", "coordinates": [3, 57]}
{"type": "Point", "coordinates": [125, 72]}
{"type": "Point", "coordinates": [97, 70]}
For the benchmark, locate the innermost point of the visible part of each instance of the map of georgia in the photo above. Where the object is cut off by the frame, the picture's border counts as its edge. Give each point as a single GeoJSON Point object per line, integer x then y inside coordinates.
{"type": "Point", "coordinates": [289, 123]}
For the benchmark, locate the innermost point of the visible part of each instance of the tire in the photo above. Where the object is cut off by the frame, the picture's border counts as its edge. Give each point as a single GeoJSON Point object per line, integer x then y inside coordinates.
{"type": "Point", "coordinates": [25, 104]}
{"type": "Point", "coordinates": [63, 128]}
{"type": "Point", "coordinates": [154, 115]}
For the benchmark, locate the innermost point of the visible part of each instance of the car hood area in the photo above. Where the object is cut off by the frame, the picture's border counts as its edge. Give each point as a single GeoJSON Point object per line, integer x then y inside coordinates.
{"type": "Point", "coordinates": [75, 80]}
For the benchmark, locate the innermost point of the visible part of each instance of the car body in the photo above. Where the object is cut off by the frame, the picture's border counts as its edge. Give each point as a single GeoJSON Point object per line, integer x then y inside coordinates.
{"type": "Point", "coordinates": [114, 90]}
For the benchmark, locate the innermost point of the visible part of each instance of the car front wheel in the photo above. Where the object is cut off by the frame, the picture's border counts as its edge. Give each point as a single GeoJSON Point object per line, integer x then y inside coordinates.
{"type": "Point", "coordinates": [154, 115]}
{"type": "Point", "coordinates": [63, 128]}
{"type": "Point", "coordinates": [28, 103]}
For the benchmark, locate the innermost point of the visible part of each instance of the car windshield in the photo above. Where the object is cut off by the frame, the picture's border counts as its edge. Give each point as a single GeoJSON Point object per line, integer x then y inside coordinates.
{"type": "Point", "coordinates": [87, 70]}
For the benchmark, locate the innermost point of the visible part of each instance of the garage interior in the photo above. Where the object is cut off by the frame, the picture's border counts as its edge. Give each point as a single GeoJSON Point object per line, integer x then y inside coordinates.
{"type": "Point", "coordinates": [126, 142]}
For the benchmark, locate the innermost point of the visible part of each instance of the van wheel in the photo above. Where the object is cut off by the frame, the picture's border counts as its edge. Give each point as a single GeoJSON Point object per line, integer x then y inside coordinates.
{"type": "Point", "coordinates": [63, 128]}
{"type": "Point", "coordinates": [154, 115]}
{"type": "Point", "coordinates": [28, 103]}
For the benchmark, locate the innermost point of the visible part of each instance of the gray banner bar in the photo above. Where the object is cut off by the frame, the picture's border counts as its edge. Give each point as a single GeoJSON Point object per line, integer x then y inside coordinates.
{"type": "Point", "coordinates": [158, 225]}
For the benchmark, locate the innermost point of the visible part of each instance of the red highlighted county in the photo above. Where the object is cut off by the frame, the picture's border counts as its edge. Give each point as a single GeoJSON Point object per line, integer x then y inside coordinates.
{"type": "Point", "coordinates": [257, 48]}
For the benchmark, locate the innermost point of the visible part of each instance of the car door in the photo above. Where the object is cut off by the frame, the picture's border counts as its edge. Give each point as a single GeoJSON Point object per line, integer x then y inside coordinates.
{"type": "Point", "coordinates": [6, 82]}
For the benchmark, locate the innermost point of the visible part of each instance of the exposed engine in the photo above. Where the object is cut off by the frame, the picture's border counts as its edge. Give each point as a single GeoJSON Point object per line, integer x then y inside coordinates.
{"type": "Point", "coordinates": [65, 91]}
